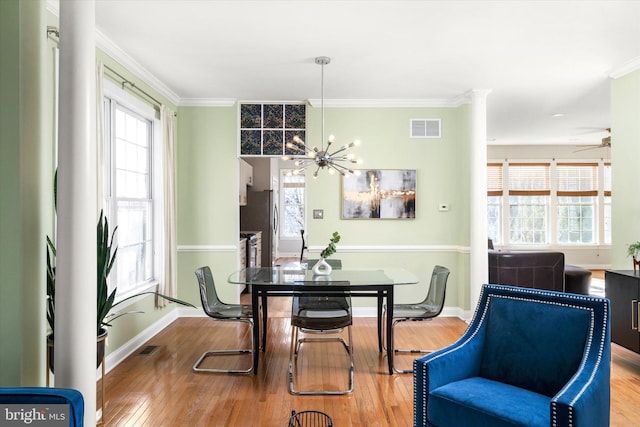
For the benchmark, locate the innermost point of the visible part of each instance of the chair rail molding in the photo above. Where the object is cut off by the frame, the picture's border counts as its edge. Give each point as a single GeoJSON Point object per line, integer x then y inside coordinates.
{"type": "Point", "coordinates": [207, 248]}
{"type": "Point", "coordinates": [396, 248]}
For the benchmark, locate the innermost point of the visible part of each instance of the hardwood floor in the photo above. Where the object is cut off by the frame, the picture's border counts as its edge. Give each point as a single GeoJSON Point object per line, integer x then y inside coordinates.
{"type": "Point", "coordinates": [156, 386]}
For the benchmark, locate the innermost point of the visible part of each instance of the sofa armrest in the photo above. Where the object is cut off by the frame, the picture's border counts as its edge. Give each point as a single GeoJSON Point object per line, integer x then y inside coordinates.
{"type": "Point", "coordinates": [453, 363]}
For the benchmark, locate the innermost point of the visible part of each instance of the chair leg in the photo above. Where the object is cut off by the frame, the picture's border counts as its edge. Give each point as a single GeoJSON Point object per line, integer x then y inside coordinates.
{"type": "Point", "coordinates": [293, 362]}
{"type": "Point", "coordinates": [212, 353]}
{"type": "Point", "coordinates": [404, 351]}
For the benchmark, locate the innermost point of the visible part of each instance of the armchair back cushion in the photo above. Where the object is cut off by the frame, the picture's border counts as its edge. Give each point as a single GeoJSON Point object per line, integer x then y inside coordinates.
{"type": "Point", "coordinates": [520, 351]}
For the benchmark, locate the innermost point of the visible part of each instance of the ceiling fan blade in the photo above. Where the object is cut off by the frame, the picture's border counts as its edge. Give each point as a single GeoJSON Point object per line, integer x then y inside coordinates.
{"type": "Point", "coordinates": [589, 148]}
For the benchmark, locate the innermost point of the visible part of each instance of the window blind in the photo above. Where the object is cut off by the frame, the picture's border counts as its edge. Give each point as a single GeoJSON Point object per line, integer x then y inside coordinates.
{"type": "Point", "coordinates": [494, 179]}
{"type": "Point", "coordinates": [577, 179]}
{"type": "Point", "coordinates": [607, 179]}
{"type": "Point", "coordinates": [529, 179]}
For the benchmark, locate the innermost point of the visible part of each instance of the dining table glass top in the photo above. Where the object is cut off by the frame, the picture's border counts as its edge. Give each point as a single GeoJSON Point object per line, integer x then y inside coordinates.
{"type": "Point", "coordinates": [292, 276]}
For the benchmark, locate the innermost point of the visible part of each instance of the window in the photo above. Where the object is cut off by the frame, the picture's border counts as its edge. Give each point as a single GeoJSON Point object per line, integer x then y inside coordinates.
{"type": "Point", "coordinates": [128, 189]}
{"type": "Point", "coordinates": [293, 203]}
{"type": "Point", "coordinates": [549, 203]}
{"type": "Point", "coordinates": [494, 202]}
{"type": "Point", "coordinates": [607, 203]}
{"type": "Point", "coordinates": [577, 189]}
{"type": "Point", "coordinates": [528, 203]}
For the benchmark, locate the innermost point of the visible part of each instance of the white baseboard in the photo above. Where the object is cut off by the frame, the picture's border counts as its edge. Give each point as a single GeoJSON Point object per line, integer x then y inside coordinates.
{"type": "Point", "coordinates": [128, 348]}
{"type": "Point", "coordinates": [131, 346]}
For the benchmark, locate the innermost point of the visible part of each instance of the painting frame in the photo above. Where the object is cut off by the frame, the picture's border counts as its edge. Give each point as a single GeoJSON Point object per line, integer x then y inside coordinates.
{"type": "Point", "coordinates": [379, 194]}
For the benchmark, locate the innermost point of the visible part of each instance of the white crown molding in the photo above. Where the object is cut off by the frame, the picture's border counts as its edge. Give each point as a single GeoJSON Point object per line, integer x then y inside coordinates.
{"type": "Point", "coordinates": [391, 103]}
{"type": "Point", "coordinates": [207, 102]}
{"type": "Point", "coordinates": [107, 46]}
{"type": "Point", "coordinates": [626, 68]}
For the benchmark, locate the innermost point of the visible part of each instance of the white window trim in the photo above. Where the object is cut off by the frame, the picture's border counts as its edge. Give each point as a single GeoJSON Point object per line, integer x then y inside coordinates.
{"type": "Point", "coordinates": [552, 219]}
{"type": "Point", "coordinates": [113, 91]}
{"type": "Point", "coordinates": [282, 207]}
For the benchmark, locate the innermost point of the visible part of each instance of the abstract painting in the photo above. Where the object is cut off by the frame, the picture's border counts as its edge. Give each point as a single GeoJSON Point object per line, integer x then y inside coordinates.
{"type": "Point", "coordinates": [379, 194]}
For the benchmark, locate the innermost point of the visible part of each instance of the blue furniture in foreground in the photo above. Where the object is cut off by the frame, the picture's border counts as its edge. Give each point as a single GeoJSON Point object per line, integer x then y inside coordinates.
{"type": "Point", "coordinates": [27, 397]}
{"type": "Point", "coordinates": [528, 358]}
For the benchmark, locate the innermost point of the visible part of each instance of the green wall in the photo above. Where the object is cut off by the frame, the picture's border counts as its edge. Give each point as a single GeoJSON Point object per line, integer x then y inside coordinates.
{"type": "Point", "coordinates": [24, 156]}
{"type": "Point", "coordinates": [207, 198]}
{"type": "Point", "coordinates": [208, 207]}
{"type": "Point", "coordinates": [625, 158]}
{"type": "Point", "coordinates": [434, 237]}
{"type": "Point", "coordinates": [10, 222]}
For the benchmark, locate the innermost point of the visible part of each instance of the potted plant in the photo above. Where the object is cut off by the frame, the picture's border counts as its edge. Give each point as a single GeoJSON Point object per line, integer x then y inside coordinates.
{"type": "Point", "coordinates": [632, 251]}
{"type": "Point", "coordinates": [322, 267]}
{"type": "Point", "coordinates": [106, 257]}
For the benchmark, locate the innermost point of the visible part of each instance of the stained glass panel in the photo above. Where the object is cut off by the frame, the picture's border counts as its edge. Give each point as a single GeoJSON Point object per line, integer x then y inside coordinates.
{"type": "Point", "coordinates": [251, 116]}
{"type": "Point", "coordinates": [273, 118]}
{"type": "Point", "coordinates": [295, 116]}
{"type": "Point", "coordinates": [250, 142]}
{"type": "Point", "coordinates": [272, 144]}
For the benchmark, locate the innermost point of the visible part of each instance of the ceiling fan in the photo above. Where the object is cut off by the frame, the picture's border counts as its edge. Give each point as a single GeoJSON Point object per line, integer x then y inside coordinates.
{"type": "Point", "coordinates": [606, 142]}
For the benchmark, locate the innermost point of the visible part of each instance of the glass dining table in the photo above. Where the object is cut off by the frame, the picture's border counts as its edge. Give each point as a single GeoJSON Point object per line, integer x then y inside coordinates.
{"type": "Point", "coordinates": [286, 281]}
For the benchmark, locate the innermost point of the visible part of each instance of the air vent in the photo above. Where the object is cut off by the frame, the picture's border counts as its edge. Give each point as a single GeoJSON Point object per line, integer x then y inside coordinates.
{"type": "Point", "coordinates": [147, 350]}
{"type": "Point", "coordinates": [424, 128]}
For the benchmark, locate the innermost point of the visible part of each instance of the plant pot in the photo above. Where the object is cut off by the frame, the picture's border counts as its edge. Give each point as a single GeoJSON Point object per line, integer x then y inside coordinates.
{"type": "Point", "coordinates": [100, 349]}
{"type": "Point", "coordinates": [321, 268]}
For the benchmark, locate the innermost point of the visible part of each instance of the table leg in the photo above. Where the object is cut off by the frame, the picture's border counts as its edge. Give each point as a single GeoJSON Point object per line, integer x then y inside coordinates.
{"type": "Point", "coordinates": [255, 308]}
{"type": "Point", "coordinates": [390, 351]}
{"type": "Point", "coordinates": [263, 298]}
{"type": "Point", "coordinates": [380, 303]}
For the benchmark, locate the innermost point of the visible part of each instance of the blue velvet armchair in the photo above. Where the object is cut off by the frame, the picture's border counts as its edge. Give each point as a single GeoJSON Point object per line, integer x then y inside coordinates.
{"type": "Point", "coordinates": [528, 358]}
{"type": "Point", "coordinates": [20, 403]}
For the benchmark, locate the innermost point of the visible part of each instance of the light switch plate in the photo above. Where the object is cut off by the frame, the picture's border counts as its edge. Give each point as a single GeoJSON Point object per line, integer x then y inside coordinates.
{"type": "Point", "coordinates": [318, 214]}
{"type": "Point", "coordinates": [443, 207]}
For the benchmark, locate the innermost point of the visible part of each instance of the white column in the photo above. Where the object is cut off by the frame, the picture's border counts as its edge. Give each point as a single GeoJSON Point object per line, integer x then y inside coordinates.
{"type": "Point", "coordinates": [75, 328]}
{"type": "Point", "coordinates": [479, 264]}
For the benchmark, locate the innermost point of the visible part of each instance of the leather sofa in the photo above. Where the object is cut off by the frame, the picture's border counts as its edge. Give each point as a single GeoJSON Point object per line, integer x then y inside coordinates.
{"type": "Point", "coordinates": [538, 270]}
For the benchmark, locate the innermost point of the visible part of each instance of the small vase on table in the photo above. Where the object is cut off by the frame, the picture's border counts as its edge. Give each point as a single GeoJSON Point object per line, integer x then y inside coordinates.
{"type": "Point", "coordinates": [321, 268]}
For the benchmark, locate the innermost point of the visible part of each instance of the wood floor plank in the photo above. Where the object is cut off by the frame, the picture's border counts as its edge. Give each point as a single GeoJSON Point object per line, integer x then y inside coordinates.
{"type": "Point", "coordinates": [160, 389]}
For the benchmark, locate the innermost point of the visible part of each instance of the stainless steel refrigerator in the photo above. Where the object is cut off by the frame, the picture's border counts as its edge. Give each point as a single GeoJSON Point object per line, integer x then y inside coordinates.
{"type": "Point", "coordinates": [261, 214]}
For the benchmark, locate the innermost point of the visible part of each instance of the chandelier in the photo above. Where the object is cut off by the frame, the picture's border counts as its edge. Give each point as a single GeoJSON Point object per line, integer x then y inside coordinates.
{"type": "Point", "coordinates": [322, 158]}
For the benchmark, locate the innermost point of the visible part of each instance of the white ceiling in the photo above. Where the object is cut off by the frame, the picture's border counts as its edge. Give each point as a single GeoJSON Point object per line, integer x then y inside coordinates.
{"type": "Point", "coordinates": [537, 57]}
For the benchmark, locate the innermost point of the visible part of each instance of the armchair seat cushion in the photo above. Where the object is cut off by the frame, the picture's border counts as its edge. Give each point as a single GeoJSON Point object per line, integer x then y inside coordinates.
{"type": "Point", "coordinates": [481, 402]}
